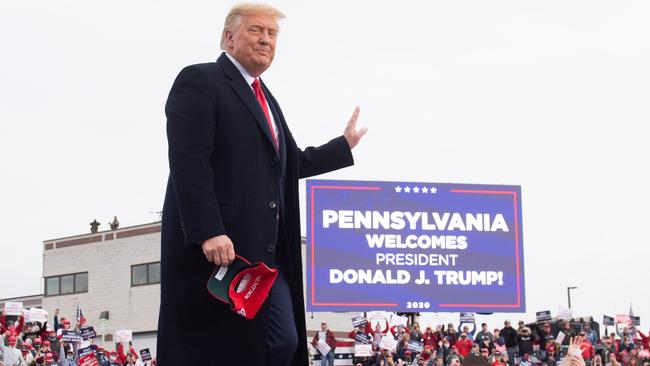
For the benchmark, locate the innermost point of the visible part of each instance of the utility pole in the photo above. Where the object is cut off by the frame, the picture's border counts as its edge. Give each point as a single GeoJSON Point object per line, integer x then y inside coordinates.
{"type": "Point", "coordinates": [568, 293]}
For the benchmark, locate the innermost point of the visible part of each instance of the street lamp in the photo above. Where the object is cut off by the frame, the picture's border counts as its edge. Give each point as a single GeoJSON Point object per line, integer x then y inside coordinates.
{"type": "Point", "coordinates": [568, 293]}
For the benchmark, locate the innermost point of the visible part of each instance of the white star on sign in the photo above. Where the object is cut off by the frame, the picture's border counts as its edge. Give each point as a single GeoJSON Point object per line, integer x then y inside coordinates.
{"type": "Point", "coordinates": [398, 189]}
{"type": "Point", "coordinates": [407, 189]}
{"type": "Point", "coordinates": [425, 190]}
{"type": "Point", "coordinates": [433, 190]}
{"type": "Point", "coordinates": [416, 189]}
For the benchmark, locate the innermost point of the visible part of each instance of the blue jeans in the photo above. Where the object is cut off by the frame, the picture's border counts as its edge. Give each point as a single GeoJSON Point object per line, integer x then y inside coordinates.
{"type": "Point", "coordinates": [328, 359]}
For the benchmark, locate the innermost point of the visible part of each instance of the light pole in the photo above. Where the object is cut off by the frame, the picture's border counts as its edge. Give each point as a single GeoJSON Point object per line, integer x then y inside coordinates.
{"type": "Point", "coordinates": [568, 293]}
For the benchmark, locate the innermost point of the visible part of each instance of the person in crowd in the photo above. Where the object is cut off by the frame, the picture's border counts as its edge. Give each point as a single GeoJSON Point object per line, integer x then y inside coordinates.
{"type": "Point", "coordinates": [464, 345]}
{"type": "Point", "coordinates": [587, 349]}
{"type": "Point", "coordinates": [430, 338]}
{"type": "Point", "coordinates": [509, 334]}
{"type": "Point", "coordinates": [27, 354]}
{"type": "Point", "coordinates": [484, 338]}
{"type": "Point", "coordinates": [501, 360]}
{"type": "Point", "coordinates": [445, 349]}
{"type": "Point", "coordinates": [402, 344]}
{"type": "Point", "coordinates": [626, 345]}
{"type": "Point", "coordinates": [476, 350]}
{"type": "Point", "coordinates": [590, 334]}
{"type": "Point", "coordinates": [364, 330]}
{"type": "Point", "coordinates": [131, 351]}
{"type": "Point", "coordinates": [11, 356]}
{"type": "Point", "coordinates": [598, 361]}
{"type": "Point", "coordinates": [525, 339]}
{"type": "Point", "coordinates": [483, 353]}
{"type": "Point", "coordinates": [552, 352]}
{"type": "Point", "coordinates": [451, 334]}
{"type": "Point", "coordinates": [569, 333]}
{"type": "Point", "coordinates": [453, 356]}
{"type": "Point", "coordinates": [67, 358]}
{"type": "Point", "coordinates": [416, 333]}
{"type": "Point", "coordinates": [12, 327]}
{"type": "Point", "coordinates": [469, 332]}
{"type": "Point", "coordinates": [544, 335]}
{"type": "Point", "coordinates": [436, 361]}
{"type": "Point", "coordinates": [520, 325]}
{"type": "Point", "coordinates": [327, 336]}
{"type": "Point", "coordinates": [645, 340]}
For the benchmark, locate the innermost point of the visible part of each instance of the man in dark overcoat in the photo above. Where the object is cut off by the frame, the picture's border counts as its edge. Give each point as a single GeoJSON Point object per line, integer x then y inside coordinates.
{"type": "Point", "coordinates": [233, 189]}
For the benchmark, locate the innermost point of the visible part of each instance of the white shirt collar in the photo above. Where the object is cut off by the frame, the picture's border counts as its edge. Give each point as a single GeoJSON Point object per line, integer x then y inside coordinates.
{"type": "Point", "coordinates": [248, 77]}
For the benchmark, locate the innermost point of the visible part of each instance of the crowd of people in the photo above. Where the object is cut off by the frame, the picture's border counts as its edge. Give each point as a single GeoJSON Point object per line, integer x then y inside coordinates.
{"type": "Point", "coordinates": [542, 344]}
{"type": "Point", "coordinates": [41, 344]}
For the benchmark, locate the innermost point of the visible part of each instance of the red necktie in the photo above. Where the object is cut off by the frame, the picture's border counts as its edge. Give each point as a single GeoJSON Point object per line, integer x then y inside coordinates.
{"type": "Point", "coordinates": [262, 100]}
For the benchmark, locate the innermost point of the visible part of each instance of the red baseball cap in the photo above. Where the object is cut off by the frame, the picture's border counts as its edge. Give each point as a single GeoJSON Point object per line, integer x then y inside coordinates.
{"type": "Point", "coordinates": [242, 285]}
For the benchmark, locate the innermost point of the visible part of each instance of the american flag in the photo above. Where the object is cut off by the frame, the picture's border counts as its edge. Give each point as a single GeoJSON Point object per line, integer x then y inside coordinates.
{"type": "Point", "coordinates": [343, 354]}
{"type": "Point", "coordinates": [80, 315]}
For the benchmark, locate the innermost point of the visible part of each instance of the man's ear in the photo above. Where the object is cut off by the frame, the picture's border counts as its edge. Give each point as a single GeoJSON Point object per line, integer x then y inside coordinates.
{"type": "Point", "coordinates": [229, 39]}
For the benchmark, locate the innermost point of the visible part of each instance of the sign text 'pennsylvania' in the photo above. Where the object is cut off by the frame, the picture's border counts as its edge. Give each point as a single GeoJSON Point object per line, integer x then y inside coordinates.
{"type": "Point", "coordinates": [411, 247]}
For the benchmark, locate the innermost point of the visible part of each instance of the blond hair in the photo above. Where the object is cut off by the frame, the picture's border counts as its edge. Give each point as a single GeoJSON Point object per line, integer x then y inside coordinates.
{"type": "Point", "coordinates": [246, 10]}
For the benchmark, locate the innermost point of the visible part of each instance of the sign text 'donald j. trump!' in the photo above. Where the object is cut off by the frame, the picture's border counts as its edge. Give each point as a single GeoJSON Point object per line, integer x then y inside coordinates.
{"type": "Point", "coordinates": [409, 247]}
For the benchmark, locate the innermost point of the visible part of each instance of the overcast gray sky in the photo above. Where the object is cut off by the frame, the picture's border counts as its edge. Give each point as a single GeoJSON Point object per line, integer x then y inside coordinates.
{"type": "Point", "coordinates": [549, 95]}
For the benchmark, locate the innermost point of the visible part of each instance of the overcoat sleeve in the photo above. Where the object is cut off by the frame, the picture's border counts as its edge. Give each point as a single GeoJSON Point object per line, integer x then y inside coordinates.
{"type": "Point", "coordinates": [334, 155]}
{"type": "Point", "coordinates": [190, 111]}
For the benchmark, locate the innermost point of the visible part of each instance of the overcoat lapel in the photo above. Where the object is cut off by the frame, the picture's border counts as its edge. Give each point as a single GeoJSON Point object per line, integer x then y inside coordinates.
{"type": "Point", "coordinates": [238, 83]}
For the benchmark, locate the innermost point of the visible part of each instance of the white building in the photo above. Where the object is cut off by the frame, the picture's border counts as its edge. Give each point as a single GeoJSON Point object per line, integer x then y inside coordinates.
{"type": "Point", "coordinates": [115, 275]}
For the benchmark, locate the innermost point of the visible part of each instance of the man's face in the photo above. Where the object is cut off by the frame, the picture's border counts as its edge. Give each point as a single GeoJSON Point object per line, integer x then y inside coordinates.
{"type": "Point", "coordinates": [252, 42]}
{"type": "Point", "coordinates": [484, 327]}
{"type": "Point", "coordinates": [323, 327]}
{"type": "Point", "coordinates": [438, 361]}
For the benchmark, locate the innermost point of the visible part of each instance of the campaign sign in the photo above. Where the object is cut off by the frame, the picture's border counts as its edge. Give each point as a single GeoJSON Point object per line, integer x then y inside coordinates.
{"type": "Point", "coordinates": [363, 350]}
{"type": "Point", "coordinates": [362, 338]}
{"type": "Point", "coordinates": [87, 356]}
{"type": "Point", "coordinates": [88, 332]}
{"type": "Point", "coordinates": [13, 308]}
{"type": "Point", "coordinates": [543, 316]}
{"type": "Point", "coordinates": [37, 315]}
{"type": "Point", "coordinates": [466, 318]}
{"type": "Point", "coordinates": [71, 336]}
{"type": "Point", "coordinates": [123, 336]}
{"type": "Point", "coordinates": [410, 247]}
{"type": "Point", "coordinates": [359, 321]}
{"type": "Point", "coordinates": [145, 354]}
{"type": "Point", "coordinates": [415, 346]}
{"type": "Point", "coordinates": [608, 320]}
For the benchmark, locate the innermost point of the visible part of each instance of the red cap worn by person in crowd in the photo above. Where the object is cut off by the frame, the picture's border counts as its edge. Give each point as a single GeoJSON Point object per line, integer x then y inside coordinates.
{"type": "Point", "coordinates": [48, 357]}
{"type": "Point", "coordinates": [242, 285]}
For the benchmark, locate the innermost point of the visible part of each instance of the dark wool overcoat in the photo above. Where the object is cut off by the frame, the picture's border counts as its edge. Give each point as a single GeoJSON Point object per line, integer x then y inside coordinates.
{"type": "Point", "coordinates": [226, 177]}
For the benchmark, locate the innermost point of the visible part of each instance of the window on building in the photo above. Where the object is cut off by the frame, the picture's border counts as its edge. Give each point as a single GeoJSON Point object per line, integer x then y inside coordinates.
{"type": "Point", "coordinates": [145, 274]}
{"type": "Point", "coordinates": [73, 283]}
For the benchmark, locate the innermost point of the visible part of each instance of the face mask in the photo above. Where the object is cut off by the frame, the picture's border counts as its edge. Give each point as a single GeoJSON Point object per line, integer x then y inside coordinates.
{"type": "Point", "coordinates": [69, 358]}
{"type": "Point", "coordinates": [52, 339]}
